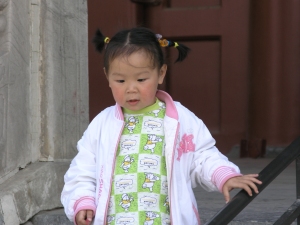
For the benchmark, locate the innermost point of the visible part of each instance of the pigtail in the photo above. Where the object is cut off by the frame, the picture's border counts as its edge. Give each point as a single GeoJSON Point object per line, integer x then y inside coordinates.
{"type": "Point", "coordinates": [100, 40]}
{"type": "Point", "coordinates": [182, 49]}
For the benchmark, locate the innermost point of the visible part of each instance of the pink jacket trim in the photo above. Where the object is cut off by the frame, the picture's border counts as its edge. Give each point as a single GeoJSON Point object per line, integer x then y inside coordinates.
{"type": "Point", "coordinates": [119, 112]}
{"type": "Point", "coordinates": [84, 203]}
{"type": "Point", "coordinates": [171, 110]}
{"type": "Point", "coordinates": [222, 174]}
{"type": "Point", "coordinates": [197, 214]}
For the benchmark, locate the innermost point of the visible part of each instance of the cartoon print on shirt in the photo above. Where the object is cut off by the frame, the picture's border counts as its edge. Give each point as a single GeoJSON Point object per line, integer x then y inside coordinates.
{"type": "Point", "coordinates": [156, 111]}
{"type": "Point", "coordinates": [166, 204]}
{"type": "Point", "coordinates": [132, 121]}
{"type": "Point", "coordinates": [150, 216]}
{"type": "Point", "coordinates": [127, 144]}
{"type": "Point", "coordinates": [124, 183]}
{"type": "Point", "coordinates": [152, 124]}
{"type": "Point", "coordinates": [186, 145]}
{"type": "Point", "coordinates": [148, 201]}
{"type": "Point", "coordinates": [166, 221]}
{"type": "Point", "coordinates": [125, 220]}
{"type": "Point", "coordinates": [110, 219]}
{"type": "Point", "coordinates": [148, 162]}
{"type": "Point", "coordinates": [151, 142]}
{"type": "Point", "coordinates": [150, 179]}
{"type": "Point", "coordinates": [126, 201]}
{"type": "Point", "coordinates": [164, 185]}
{"type": "Point", "coordinates": [110, 205]}
{"type": "Point", "coordinates": [127, 163]}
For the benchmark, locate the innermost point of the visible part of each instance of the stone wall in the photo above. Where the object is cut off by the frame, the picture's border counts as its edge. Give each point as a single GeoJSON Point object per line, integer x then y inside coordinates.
{"type": "Point", "coordinates": [14, 87]}
{"type": "Point", "coordinates": [43, 101]}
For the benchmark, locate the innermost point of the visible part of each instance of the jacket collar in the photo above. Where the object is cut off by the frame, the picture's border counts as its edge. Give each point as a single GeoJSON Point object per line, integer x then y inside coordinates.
{"type": "Point", "coordinates": [171, 110]}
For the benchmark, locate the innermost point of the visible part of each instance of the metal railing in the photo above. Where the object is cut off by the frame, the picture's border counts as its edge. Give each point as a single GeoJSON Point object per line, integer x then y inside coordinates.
{"type": "Point", "coordinates": [267, 175]}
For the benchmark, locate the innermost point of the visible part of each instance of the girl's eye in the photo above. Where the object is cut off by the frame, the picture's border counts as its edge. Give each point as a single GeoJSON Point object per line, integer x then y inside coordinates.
{"type": "Point", "coordinates": [120, 81]}
{"type": "Point", "coordinates": [141, 80]}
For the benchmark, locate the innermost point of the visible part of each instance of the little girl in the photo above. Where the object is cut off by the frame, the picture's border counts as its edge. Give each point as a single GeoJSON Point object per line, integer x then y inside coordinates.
{"type": "Point", "coordinates": [138, 161]}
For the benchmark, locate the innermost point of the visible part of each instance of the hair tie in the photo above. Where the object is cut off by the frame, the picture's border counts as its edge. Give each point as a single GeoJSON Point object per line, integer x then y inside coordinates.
{"type": "Point", "coordinates": [106, 40]}
{"type": "Point", "coordinates": [163, 43]}
{"type": "Point", "coordinates": [158, 36]}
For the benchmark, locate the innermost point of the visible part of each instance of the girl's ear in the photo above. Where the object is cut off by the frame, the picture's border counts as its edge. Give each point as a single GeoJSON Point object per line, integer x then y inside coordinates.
{"type": "Point", "coordinates": [104, 70]}
{"type": "Point", "coordinates": [162, 73]}
{"type": "Point", "coordinates": [106, 75]}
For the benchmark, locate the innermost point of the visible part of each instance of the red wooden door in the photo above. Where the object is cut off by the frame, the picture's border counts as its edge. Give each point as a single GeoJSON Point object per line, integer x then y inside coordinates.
{"type": "Point", "coordinates": [212, 82]}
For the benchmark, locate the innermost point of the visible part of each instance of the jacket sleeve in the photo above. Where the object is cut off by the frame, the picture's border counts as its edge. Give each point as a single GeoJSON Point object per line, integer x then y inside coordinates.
{"type": "Point", "coordinates": [80, 184]}
{"type": "Point", "coordinates": [210, 168]}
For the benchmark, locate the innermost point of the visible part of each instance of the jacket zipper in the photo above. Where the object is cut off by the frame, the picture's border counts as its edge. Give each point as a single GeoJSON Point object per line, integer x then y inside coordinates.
{"type": "Point", "coordinates": [111, 176]}
{"type": "Point", "coordinates": [173, 153]}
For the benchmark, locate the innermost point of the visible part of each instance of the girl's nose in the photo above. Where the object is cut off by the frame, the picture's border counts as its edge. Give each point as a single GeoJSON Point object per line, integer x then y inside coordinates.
{"type": "Point", "coordinates": [131, 88]}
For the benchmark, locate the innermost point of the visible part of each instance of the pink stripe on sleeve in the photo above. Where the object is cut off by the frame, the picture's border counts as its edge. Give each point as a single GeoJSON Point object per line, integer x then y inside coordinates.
{"type": "Point", "coordinates": [84, 203]}
{"type": "Point", "coordinates": [222, 174]}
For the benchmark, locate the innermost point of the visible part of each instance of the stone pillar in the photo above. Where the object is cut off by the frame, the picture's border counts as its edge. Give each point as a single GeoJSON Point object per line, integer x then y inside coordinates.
{"type": "Point", "coordinates": [64, 77]}
{"type": "Point", "coordinates": [15, 50]}
{"type": "Point", "coordinates": [43, 101]}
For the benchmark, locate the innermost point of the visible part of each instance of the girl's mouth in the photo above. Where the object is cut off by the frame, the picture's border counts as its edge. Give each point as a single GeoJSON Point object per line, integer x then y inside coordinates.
{"type": "Point", "coordinates": [133, 102]}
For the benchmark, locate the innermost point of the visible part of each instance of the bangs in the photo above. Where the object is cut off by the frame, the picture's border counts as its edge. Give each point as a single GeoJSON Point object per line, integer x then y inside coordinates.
{"type": "Point", "coordinates": [127, 50]}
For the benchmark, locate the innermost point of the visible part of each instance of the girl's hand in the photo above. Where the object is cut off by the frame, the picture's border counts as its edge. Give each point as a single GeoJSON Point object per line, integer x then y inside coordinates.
{"type": "Point", "coordinates": [84, 217]}
{"type": "Point", "coordinates": [246, 182]}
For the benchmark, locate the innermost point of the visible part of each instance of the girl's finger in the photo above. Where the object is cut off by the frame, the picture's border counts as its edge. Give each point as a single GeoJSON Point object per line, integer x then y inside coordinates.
{"type": "Point", "coordinates": [226, 195]}
{"type": "Point", "coordinates": [89, 217]}
{"type": "Point", "coordinates": [251, 175]}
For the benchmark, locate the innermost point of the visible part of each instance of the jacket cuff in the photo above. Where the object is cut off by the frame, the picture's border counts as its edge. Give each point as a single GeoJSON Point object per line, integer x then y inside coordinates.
{"type": "Point", "coordinates": [84, 203]}
{"type": "Point", "coordinates": [223, 174]}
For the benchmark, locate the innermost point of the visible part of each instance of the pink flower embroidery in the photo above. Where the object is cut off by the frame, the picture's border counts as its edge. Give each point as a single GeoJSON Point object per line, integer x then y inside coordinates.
{"type": "Point", "coordinates": [186, 145]}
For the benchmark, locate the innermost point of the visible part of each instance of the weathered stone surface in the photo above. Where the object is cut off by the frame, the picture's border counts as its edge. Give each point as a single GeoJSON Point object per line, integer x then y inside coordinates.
{"type": "Point", "coordinates": [27, 223]}
{"type": "Point", "coordinates": [65, 77]}
{"type": "Point", "coordinates": [14, 88]}
{"type": "Point", "coordinates": [35, 188]}
{"type": "Point", "coordinates": [35, 84]}
{"type": "Point", "coordinates": [43, 101]}
{"type": "Point", "coordinates": [43, 81]}
{"type": "Point", "coordinates": [1, 218]}
{"type": "Point", "coordinates": [54, 217]}
{"type": "Point", "coordinates": [9, 210]}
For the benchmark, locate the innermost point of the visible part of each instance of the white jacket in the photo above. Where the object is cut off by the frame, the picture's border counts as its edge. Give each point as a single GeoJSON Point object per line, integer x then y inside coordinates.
{"type": "Point", "coordinates": [191, 157]}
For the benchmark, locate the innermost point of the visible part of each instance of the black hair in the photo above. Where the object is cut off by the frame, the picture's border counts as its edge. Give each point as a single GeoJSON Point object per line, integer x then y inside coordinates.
{"type": "Point", "coordinates": [128, 41]}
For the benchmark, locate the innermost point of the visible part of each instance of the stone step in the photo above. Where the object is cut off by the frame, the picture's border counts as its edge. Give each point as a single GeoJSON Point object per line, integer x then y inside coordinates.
{"type": "Point", "coordinates": [58, 217]}
{"type": "Point", "coordinates": [52, 217]}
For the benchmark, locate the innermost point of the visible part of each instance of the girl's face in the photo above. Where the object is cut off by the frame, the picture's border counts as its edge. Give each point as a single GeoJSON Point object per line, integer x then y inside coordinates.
{"type": "Point", "coordinates": [134, 81]}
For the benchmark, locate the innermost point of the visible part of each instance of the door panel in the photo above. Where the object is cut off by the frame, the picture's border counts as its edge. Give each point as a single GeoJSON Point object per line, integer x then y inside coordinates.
{"type": "Point", "coordinates": [213, 80]}
{"type": "Point", "coordinates": [186, 82]}
{"type": "Point", "coordinates": [195, 3]}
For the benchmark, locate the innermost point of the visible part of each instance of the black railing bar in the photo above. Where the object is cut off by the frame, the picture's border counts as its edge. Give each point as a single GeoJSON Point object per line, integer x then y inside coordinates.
{"type": "Point", "coordinates": [298, 183]}
{"type": "Point", "coordinates": [275, 167]}
{"type": "Point", "coordinates": [267, 175]}
{"type": "Point", "coordinates": [290, 215]}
